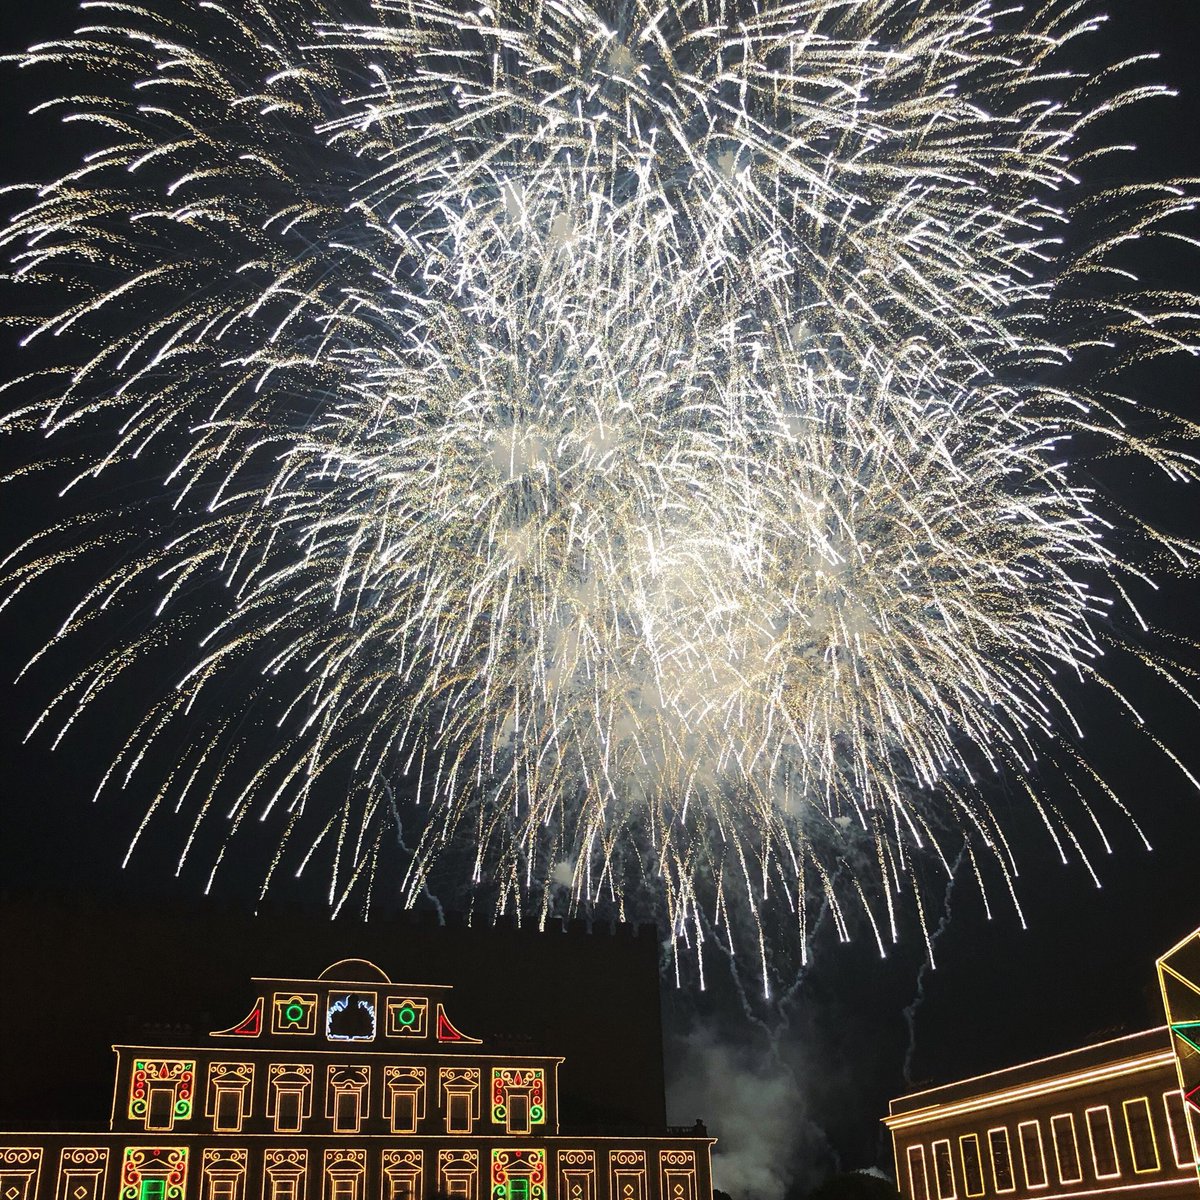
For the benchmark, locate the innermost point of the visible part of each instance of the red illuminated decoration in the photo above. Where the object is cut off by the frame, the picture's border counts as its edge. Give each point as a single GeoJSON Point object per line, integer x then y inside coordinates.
{"type": "Point", "coordinates": [1193, 1098]}
{"type": "Point", "coordinates": [250, 1026]}
{"type": "Point", "coordinates": [447, 1033]}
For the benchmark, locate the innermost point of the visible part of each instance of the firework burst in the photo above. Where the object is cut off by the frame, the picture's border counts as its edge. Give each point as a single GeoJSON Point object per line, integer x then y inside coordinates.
{"type": "Point", "coordinates": [630, 442]}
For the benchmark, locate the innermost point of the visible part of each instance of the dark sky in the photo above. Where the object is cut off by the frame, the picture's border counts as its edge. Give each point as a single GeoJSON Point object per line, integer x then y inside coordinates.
{"type": "Point", "coordinates": [1000, 993]}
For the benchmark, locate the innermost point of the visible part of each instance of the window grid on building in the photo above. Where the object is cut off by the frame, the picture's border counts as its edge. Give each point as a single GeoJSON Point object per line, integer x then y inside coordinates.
{"type": "Point", "coordinates": [1033, 1156]}
{"type": "Point", "coordinates": [1066, 1148]}
{"type": "Point", "coordinates": [943, 1171]}
{"type": "Point", "coordinates": [1102, 1143]}
{"type": "Point", "coordinates": [918, 1181]}
{"type": "Point", "coordinates": [1000, 1154]}
{"type": "Point", "coordinates": [972, 1164]}
{"type": "Point", "coordinates": [1177, 1124]}
{"type": "Point", "coordinates": [1139, 1127]}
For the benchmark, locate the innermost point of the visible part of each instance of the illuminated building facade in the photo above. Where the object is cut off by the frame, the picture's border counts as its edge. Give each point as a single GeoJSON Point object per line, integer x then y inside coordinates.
{"type": "Point", "coordinates": [1106, 1119]}
{"type": "Point", "coordinates": [344, 1087]}
{"type": "Point", "coordinates": [1179, 978]}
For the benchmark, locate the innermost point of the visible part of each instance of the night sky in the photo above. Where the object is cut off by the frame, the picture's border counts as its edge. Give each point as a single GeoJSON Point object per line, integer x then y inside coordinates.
{"type": "Point", "coordinates": [800, 1091]}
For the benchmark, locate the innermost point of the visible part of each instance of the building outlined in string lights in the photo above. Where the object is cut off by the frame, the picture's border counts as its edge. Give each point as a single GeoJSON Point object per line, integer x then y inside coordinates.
{"type": "Point", "coordinates": [345, 1087]}
{"type": "Point", "coordinates": [1179, 979]}
{"type": "Point", "coordinates": [1102, 1120]}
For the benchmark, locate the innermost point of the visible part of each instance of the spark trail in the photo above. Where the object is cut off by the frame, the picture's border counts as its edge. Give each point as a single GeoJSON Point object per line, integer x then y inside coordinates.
{"type": "Point", "coordinates": [642, 435]}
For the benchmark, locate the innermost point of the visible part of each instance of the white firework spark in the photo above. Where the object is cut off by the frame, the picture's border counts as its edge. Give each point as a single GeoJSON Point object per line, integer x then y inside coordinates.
{"type": "Point", "coordinates": [643, 428]}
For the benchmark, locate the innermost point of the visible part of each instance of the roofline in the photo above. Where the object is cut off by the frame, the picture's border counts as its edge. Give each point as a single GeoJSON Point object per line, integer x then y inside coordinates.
{"type": "Point", "coordinates": [342, 983]}
{"type": "Point", "coordinates": [233, 1051]}
{"type": "Point", "coordinates": [1162, 958]}
{"type": "Point", "coordinates": [1034, 1062]}
{"type": "Point", "coordinates": [1099, 1073]}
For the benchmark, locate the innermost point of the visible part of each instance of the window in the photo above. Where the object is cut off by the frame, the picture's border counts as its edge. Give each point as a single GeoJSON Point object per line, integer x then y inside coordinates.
{"type": "Point", "coordinates": [577, 1185]}
{"type": "Point", "coordinates": [289, 1109]}
{"type": "Point", "coordinates": [343, 1187]}
{"type": "Point", "coordinates": [458, 1184]}
{"type": "Point", "coordinates": [517, 1116]}
{"type": "Point", "coordinates": [222, 1187]}
{"type": "Point", "coordinates": [346, 1116]}
{"type": "Point", "coordinates": [153, 1187]}
{"type": "Point", "coordinates": [518, 1187]}
{"type": "Point", "coordinates": [918, 1184]}
{"type": "Point", "coordinates": [943, 1171]}
{"type": "Point", "coordinates": [1001, 1156]}
{"type": "Point", "coordinates": [289, 1096]}
{"type": "Point", "coordinates": [17, 1185]}
{"type": "Point", "coordinates": [972, 1164]}
{"type": "Point", "coordinates": [227, 1109]}
{"type": "Point", "coordinates": [1100, 1137]}
{"type": "Point", "coordinates": [81, 1185]}
{"type": "Point", "coordinates": [629, 1185]}
{"type": "Point", "coordinates": [404, 1097]}
{"type": "Point", "coordinates": [285, 1186]}
{"type": "Point", "coordinates": [458, 1111]}
{"type": "Point", "coordinates": [1140, 1128]}
{"type": "Point", "coordinates": [404, 1110]}
{"type": "Point", "coordinates": [678, 1185]}
{"type": "Point", "coordinates": [1033, 1157]}
{"type": "Point", "coordinates": [401, 1185]}
{"type": "Point", "coordinates": [160, 1111]}
{"type": "Point", "coordinates": [1066, 1148]}
{"type": "Point", "coordinates": [1177, 1123]}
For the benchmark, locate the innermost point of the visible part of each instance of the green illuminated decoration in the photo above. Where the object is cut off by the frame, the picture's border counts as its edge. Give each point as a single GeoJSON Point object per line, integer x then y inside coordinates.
{"type": "Point", "coordinates": [154, 1173]}
{"type": "Point", "coordinates": [407, 1017]}
{"type": "Point", "coordinates": [295, 1013]}
{"type": "Point", "coordinates": [1190, 1032]}
{"type": "Point", "coordinates": [518, 1174]}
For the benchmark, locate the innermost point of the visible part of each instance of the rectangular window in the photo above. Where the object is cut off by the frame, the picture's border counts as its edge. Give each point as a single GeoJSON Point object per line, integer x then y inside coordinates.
{"type": "Point", "coordinates": [1001, 1156]}
{"type": "Point", "coordinates": [344, 1187]}
{"type": "Point", "coordinates": [404, 1111]}
{"type": "Point", "coordinates": [285, 1186]}
{"type": "Point", "coordinates": [1033, 1157]}
{"type": "Point", "coordinates": [1104, 1147]}
{"type": "Point", "coordinates": [1177, 1123]}
{"type": "Point", "coordinates": [227, 1115]}
{"type": "Point", "coordinates": [152, 1188]}
{"type": "Point", "coordinates": [918, 1183]}
{"type": "Point", "coordinates": [972, 1164]}
{"type": "Point", "coordinates": [679, 1185]}
{"type": "Point", "coordinates": [1066, 1148]}
{"type": "Point", "coordinates": [222, 1187]}
{"type": "Point", "coordinates": [518, 1187]}
{"type": "Point", "coordinates": [943, 1171]}
{"type": "Point", "coordinates": [458, 1184]}
{"type": "Point", "coordinates": [289, 1109]}
{"type": "Point", "coordinates": [402, 1185]}
{"type": "Point", "coordinates": [78, 1184]}
{"type": "Point", "coordinates": [576, 1185]}
{"type": "Point", "coordinates": [160, 1111]}
{"type": "Point", "coordinates": [518, 1111]}
{"type": "Point", "coordinates": [346, 1117]}
{"type": "Point", "coordinates": [1140, 1128]}
{"type": "Point", "coordinates": [629, 1185]}
{"type": "Point", "coordinates": [458, 1112]}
